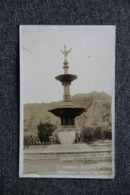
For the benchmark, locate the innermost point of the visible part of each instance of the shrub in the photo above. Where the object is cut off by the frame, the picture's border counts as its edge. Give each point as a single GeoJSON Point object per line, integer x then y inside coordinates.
{"type": "Point", "coordinates": [98, 132]}
{"type": "Point", "coordinates": [55, 138]}
{"type": "Point", "coordinates": [30, 139]}
{"type": "Point", "coordinates": [87, 134]}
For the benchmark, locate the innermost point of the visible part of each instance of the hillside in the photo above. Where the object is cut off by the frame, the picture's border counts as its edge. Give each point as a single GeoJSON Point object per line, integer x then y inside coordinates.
{"type": "Point", "coordinates": [98, 106]}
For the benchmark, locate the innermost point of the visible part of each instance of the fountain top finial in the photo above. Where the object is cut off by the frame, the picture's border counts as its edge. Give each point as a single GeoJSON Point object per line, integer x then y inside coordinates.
{"type": "Point", "coordinates": [66, 52]}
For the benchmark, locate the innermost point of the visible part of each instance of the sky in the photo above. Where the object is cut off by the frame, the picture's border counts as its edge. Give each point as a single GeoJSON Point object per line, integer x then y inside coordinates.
{"type": "Point", "coordinates": [92, 59]}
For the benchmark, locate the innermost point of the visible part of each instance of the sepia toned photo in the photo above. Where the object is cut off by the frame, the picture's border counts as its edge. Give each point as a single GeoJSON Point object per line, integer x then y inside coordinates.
{"type": "Point", "coordinates": [67, 97]}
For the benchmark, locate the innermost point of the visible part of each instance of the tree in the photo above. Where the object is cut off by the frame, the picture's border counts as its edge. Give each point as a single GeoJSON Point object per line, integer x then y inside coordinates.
{"type": "Point", "coordinates": [45, 131]}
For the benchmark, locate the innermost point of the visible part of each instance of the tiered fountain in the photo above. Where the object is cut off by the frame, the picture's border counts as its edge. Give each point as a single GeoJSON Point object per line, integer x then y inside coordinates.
{"type": "Point", "coordinates": [68, 111]}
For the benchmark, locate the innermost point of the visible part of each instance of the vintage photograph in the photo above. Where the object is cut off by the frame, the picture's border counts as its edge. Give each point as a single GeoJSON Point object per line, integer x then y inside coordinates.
{"type": "Point", "coordinates": [67, 98]}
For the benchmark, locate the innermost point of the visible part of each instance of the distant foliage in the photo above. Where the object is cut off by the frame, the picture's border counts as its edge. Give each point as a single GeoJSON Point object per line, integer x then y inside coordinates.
{"type": "Point", "coordinates": [45, 131]}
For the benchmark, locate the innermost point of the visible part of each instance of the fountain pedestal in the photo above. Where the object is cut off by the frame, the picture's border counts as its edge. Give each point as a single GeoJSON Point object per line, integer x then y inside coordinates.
{"type": "Point", "coordinates": [67, 135]}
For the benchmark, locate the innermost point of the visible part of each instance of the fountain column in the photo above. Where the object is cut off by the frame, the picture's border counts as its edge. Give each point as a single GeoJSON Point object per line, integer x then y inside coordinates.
{"type": "Point", "coordinates": [67, 112]}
